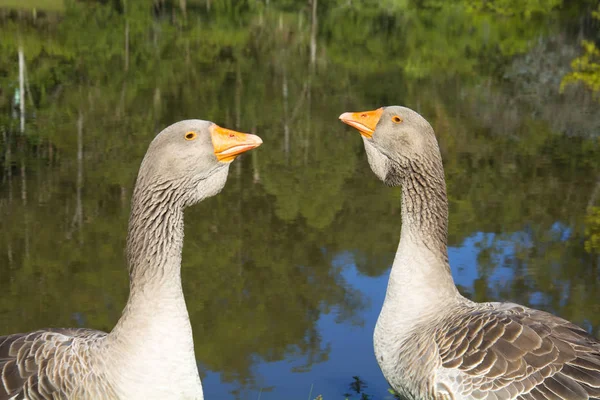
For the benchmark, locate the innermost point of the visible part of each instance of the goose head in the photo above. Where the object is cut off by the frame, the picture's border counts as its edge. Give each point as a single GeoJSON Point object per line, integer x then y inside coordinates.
{"type": "Point", "coordinates": [190, 160]}
{"type": "Point", "coordinates": [396, 139]}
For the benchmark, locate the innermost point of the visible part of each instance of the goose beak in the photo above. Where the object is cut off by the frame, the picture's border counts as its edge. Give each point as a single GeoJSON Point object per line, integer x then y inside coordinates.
{"type": "Point", "coordinates": [229, 144]}
{"type": "Point", "coordinates": [365, 121]}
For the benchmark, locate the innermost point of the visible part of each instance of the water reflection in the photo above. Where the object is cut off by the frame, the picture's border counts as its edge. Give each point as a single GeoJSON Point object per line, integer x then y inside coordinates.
{"type": "Point", "coordinates": [285, 270]}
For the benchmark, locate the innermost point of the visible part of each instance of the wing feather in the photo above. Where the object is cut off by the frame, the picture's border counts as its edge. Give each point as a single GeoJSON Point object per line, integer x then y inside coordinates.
{"type": "Point", "coordinates": [31, 364]}
{"type": "Point", "coordinates": [506, 351]}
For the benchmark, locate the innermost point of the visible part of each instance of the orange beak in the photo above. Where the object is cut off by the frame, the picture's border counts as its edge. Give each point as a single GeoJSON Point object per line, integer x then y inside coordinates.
{"type": "Point", "coordinates": [229, 144]}
{"type": "Point", "coordinates": [365, 121]}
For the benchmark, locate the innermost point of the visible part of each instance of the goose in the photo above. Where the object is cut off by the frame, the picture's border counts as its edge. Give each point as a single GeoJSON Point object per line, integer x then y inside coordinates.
{"type": "Point", "coordinates": [150, 352]}
{"type": "Point", "coordinates": [431, 342]}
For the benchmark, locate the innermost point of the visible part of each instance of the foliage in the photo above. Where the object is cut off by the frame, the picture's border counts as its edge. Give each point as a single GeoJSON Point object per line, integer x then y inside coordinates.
{"type": "Point", "coordinates": [40, 5]}
{"type": "Point", "coordinates": [522, 8]}
{"type": "Point", "coordinates": [586, 68]}
{"type": "Point", "coordinates": [261, 260]}
{"type": "Point", "coordinates": [358, 386]}
{"type": "Point", "coordinates": [592, 230]}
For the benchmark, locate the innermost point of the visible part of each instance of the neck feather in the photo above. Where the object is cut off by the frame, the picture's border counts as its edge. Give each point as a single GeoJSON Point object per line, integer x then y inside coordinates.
{"type": "Point", "coordinates": [154, 245]}
{"type": "Point", "coordinates": [155, 237]}
{"type": "Point", "coordinates": [425, 205]}
{"type": "Point", "coordinates": [155, 321]}
{"type": "Point", "coordinates": [420, 280]}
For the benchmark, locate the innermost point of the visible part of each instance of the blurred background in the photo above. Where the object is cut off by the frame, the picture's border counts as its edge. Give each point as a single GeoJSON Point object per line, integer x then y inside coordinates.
{"type": "Point", "coordinates": [285, 271]}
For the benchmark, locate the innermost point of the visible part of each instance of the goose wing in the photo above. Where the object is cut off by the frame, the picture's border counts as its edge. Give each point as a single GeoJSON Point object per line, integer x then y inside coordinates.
{"type": "Point", "coordinates": [39, 365]}
{"type": "Point", "coordinates": [506, 351]}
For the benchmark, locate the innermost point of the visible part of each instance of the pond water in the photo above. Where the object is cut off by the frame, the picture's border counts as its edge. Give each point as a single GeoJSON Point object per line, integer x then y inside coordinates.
{"type": "Point", "coordinates": [285, 271]}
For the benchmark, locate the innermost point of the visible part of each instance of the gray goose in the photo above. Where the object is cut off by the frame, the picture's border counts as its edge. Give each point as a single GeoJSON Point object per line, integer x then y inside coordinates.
{"type": "Point", "coordinates": [431, 342]}
{"type": "Point", "coordinates": [150, 352]}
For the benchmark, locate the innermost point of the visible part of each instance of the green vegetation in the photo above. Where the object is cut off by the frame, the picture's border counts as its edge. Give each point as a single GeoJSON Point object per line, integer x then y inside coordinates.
{"type": "Point", "coordinates": [358, 390]}
{"type": "Point", "coordinates": [586, 68]}
{"type": "Point", "coordinates": [261, 262]}
{"type": "Point", "coordinates": [592, 230]}
{"type": "Point", "coordinates": [38, 5]}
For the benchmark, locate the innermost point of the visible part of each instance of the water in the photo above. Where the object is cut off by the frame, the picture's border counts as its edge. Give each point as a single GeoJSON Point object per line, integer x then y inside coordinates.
{"type": "Point", "coordinates": [285, 271]}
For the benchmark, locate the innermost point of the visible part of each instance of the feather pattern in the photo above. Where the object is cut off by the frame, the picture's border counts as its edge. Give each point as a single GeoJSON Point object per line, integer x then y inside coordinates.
{"type": "Point", "coordinates": [52, 364]}
{"type": "Point", "coordinates": [430, 342]}
{"type": "Point", "coordinates": [507, 351]}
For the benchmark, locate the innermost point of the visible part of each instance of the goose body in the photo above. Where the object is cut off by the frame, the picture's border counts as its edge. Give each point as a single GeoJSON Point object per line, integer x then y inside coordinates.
{"type": "Point", "coordinates": [431, 343]}
{"type": "Point", "coordinates": [150, 352]}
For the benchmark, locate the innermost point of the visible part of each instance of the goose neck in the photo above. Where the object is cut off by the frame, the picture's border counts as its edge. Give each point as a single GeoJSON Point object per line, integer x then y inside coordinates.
{"type": "Point", "coordinates": [420, 280]}
{"type": "Point", "coordinates": [425, 208]}
{"type": "Point", "coordinates": [155, 238]}
{"type": "Point", "coordinates": [154, 245]}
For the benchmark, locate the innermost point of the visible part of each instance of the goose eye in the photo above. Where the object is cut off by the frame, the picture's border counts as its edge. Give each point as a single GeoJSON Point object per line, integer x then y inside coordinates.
{"type": "Point", "coordinates": [190, 136]}
{"type": "Point", "coordinates": [396, 119]}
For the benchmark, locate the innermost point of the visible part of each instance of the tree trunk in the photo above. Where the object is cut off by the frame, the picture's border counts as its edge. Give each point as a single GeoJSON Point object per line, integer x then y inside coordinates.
{"type": "Point", "coordinates": [22, 88]}
{"type": "Point", "coordinates": [286, 126]}
{"type": "Point", "coordinates": [157, 106]}
{"type": "Point", "coordinates": [126, 45]}
{"type": "Point", "coordinates": [121, 106]}
{"type": "Point", "coordinates": [594, 195]}
{"type": "Point", "coordinates": [239, 84]}
{"type": "Point", "coordinates": [183, 6]}
{"type": "Point", "coordinates": [9, 255]}
{"type": "Point", "coordinates": [238, 110]}
{"type": "Point", "coordinates": [79, 206]}
{"type": "Point", "coordinates": [255, 166]}
{"type": "Point", "coordinates": [313, 34]}
{"type": "Point", "coordinates": [24, 200]}
{"type": "Point", "coordinates": [23, 182]}
{"type": "Point", "coordinates": [123, 197]}
{"type": "Point", "coordinates": [6, 175]}
{"type": "Point", "coordinates": [77, 221]}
